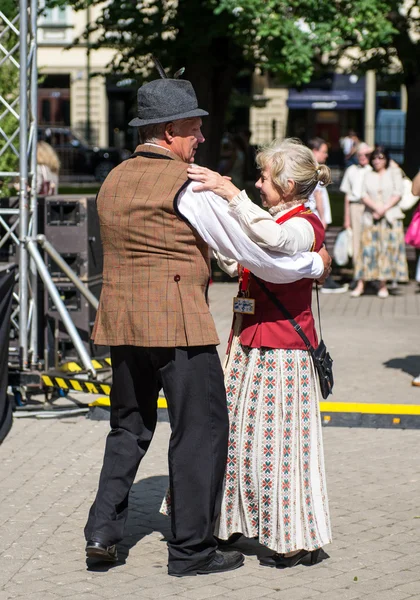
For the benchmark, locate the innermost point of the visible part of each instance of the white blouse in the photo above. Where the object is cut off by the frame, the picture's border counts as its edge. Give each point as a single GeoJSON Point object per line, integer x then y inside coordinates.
{"type": "Point", "coordinates": [220, 226]}
{"type": "Point", "coordinates": [293, 236]}
{"type": "Point", "coordinates": [352, 183]}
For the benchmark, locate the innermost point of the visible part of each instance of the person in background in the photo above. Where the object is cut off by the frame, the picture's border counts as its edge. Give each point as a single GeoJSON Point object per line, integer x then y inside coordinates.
{"type": "Point", "coordinates": [382, 253]}
{"type": "Point", "coordinates": [319, 203]}
{"type": "Point", "coordinates": [47, 169]}
{"type": "Point", "coordinates": [243, 141]}
{"type": "Point", "coordinates": [354, 208]}
{"type": "Point", "coordinates": [349, 147]}
{"type": "Point", "coordinates": [416, 185]}
{"type": "Point", "coordinates": [416, 192]}
{"type": "Point", "coordinates": [232, 160]}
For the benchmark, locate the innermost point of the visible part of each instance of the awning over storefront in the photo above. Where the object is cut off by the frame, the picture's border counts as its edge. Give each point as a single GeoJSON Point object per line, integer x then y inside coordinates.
{"type": "Point", "coordinates": [345, 92]}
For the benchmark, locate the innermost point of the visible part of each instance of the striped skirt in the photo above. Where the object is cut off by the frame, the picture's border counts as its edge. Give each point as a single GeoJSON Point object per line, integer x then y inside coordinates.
{"type": "Point", "coordinates": [275, 487]}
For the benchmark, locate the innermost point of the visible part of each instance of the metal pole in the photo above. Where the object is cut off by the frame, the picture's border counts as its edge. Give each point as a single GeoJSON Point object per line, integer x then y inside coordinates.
{"type": "Point", "coordinates": [61, 308]}
{"type": "Point", "coordinates": [23, 189]}
{"type": "Point", "coordinates": [34, 198]}
{"type": "Point", "coordinates": [370, 107]}
{"type": "Point", "coordinates": [57, 258]}
{"type": "Point", "coordinates": [88, 122]}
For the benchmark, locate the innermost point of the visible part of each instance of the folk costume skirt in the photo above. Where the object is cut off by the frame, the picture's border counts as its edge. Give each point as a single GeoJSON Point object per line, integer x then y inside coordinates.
{"type": "Point", "coordinates": [275, 488]}
{"type": "Point", "coordinates": [382, 254]}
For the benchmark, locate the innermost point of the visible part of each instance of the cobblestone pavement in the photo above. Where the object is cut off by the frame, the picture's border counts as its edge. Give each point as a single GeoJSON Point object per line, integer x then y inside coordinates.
{"type": "Point", "coordinates": [49, 471]}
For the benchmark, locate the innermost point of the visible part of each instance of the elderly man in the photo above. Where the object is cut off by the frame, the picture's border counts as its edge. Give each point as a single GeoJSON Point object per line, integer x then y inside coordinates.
{"type": "Point", "coordinates": [154, 315]}
{"type": "Point", "coordinates": [354, 208]}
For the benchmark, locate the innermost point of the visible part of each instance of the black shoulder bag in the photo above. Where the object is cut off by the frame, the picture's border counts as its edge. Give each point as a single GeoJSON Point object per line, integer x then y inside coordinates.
{"type": "Point", "coordinates": [320, 355]}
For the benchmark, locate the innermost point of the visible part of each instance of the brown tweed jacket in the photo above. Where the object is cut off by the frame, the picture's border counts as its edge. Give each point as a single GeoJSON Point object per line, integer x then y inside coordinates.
{"type": "Point", "coordinates": [156, 267]}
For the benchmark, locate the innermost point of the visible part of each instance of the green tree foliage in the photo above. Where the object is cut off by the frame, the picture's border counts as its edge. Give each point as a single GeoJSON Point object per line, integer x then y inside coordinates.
{"type": "Point", "coordinates": [9, 90]}
{"type": "Point", "coordinates": [8, 8]}
{"type": "Point", "coordinates": [184, 33]}
{"type": "Point", "coordinates": [295, 39]}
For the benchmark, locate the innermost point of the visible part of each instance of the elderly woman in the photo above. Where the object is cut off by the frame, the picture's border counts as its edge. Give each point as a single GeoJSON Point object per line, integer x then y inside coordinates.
{"type": "Point", "coordinates": [275, 486]}
{"type": "Point", "coordinates": [382, 254]}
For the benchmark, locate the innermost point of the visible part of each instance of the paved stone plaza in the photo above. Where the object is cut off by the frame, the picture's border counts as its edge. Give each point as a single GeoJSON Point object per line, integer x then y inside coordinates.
{"type": "Point", "coordinates": [49, 472]}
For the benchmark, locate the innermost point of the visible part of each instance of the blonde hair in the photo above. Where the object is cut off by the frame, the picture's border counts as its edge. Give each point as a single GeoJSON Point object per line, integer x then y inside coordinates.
{"type": "Point", "coordinates": [291, 159]}
{"type": "Point", "coordinates": [46, 155]}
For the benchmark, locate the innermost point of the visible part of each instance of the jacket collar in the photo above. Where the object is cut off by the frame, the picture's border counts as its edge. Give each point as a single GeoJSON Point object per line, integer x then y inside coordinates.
{"type": "Point", "coordinates": [158, 150]}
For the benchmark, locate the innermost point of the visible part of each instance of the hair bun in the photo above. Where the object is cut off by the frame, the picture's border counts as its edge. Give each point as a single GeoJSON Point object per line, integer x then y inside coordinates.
{"type": "Point", "coordinates": [323, 175]}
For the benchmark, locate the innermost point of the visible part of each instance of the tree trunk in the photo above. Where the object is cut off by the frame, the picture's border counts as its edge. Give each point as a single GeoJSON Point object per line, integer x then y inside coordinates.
{"type": "Point", "coordinates": [412, 127]}
{"type": "Point", "coordinates": [213, 92]}
{"type": "Point", "coordinates": [213, 81]}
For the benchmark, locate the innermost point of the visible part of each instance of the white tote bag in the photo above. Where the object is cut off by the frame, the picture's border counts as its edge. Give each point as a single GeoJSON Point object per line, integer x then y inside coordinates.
{"type": "Point", "coordinates": [343, 247]}
{"type": "Point", "coordinates": [407, 199]}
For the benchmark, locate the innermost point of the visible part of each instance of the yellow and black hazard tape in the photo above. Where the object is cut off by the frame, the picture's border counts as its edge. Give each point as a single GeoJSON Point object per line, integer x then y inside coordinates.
{"type": "Point", "coordinates": [75, 367]}
{"type": "Point", "coordinates": [335, 414]}
{"type": "Point", "coordinates": [54, 380]}
{"type": "Point", "coordinates": [78, 385]}
{"type": "Point", "coordinates": [105, 402]}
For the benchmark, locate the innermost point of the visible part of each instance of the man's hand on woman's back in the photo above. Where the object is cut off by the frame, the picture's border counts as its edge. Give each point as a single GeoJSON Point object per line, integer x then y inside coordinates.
{"type": "Point", "coordinates": [327, 260]}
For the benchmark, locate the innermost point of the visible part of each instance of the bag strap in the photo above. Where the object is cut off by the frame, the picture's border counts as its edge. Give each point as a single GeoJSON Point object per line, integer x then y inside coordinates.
{"type": "Point", "coordinates": [319, 310]}
{"type": "Point", "coordinates": [286, 313]}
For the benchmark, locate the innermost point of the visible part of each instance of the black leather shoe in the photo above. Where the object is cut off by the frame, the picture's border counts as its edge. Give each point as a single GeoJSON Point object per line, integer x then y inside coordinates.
{"type": "Point", "coordinates": [280, 561]}
{"type": "Point", "coordinates": [101, 551]}
{"type": "Point", "coordinates": [219, 563]}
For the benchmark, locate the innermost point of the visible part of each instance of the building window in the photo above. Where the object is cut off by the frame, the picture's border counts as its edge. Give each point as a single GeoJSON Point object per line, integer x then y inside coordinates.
{"type": "Point", "coordinates": [54, 100]}
{"type": "Point", "coordinates": [55, 24]}
{"type": "Point", "coordinates": [55, 16]}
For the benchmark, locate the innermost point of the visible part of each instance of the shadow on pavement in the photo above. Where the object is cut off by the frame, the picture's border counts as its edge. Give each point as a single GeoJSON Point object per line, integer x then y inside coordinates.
{"type": "Point", "coordinates": [143, 519]}
{"type": "Point", "coordinates": [251, 547]}
{"type": "Point", "coordinates": [409, 364]}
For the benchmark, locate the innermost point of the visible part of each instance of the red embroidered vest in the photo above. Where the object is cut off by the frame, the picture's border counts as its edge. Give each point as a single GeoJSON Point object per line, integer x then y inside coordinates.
{"type": "Point", "coordinates": [268, 327]}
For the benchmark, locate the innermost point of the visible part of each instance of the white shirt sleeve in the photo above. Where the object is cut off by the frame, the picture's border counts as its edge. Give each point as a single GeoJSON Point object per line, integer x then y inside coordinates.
{"type": "Point", "coordinates": [209, 215]}
{"type": "Point", "coordinates": [291, 237]}
{"type": "Point", "coordinates": [346, 183]}
{"type": "Point", "coordinates": [228, 265]}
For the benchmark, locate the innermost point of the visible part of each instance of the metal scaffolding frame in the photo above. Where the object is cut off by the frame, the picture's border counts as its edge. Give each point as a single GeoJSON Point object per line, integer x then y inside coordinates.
{"type": "Point", "coordinates": [18, 53]}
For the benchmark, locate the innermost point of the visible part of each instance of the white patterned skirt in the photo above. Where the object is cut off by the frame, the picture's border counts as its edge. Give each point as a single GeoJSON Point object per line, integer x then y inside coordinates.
{"type": "Point", "coordinates": [275, 487]}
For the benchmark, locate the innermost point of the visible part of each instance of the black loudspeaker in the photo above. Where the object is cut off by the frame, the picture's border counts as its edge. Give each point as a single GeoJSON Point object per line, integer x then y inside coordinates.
{"type": "Point", "coordinates": [57, 341]}
{"type": "Point", "coordinates": [71, 225]}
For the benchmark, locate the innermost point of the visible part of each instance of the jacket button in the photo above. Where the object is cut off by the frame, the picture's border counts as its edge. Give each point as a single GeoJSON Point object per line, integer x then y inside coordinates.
{"type": "Point", "coordinates": [177, 277]}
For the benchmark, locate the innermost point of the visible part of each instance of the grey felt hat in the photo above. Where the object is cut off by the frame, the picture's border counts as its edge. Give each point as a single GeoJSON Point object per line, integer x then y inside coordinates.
{"type": "Point", "coordinates": [164, 100]}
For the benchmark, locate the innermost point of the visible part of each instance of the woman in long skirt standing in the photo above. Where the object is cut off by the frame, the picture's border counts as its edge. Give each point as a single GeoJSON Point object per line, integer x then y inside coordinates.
{"type": "Point", "coordinates": [382, 253]}
{"type": "Point", "coordinates": [275, 488]}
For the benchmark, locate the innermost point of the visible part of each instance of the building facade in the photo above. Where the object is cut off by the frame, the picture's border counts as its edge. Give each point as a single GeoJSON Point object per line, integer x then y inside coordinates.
{"type": "Point", "coordinates": [73, 83]}
{"type": "Point", "coordinates": [329, 108]}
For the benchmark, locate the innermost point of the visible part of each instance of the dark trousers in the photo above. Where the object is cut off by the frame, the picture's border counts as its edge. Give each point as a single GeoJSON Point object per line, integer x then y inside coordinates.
{"type": "Point", "coordinates": [192, 380]}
